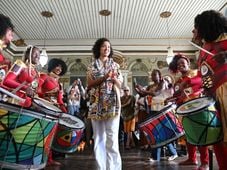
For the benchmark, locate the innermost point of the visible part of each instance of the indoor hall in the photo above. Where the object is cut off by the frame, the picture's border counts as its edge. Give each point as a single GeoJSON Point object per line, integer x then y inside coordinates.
{"type": "Point", "coordinates": [145, 35]}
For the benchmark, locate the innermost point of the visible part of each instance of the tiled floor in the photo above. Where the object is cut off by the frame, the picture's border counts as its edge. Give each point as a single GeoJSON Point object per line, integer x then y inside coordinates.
{"type": "Point", "coordinates": [133, 159]}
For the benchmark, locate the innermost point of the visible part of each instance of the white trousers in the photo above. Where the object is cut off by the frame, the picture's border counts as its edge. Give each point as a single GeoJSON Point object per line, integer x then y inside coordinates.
{"type": "Point", "coordinates": [106, 146]}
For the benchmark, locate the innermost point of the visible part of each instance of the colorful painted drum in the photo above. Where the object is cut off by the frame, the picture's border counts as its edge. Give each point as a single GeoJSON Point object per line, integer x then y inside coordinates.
{"type": "Point", "coordinates": [25, 137]}
{"type": "Point", "coordinates": [69, 133]}
{"type": "Point", "coordinates": [200, 121]}
{"type": "Point", "coordinates": [162, 128]}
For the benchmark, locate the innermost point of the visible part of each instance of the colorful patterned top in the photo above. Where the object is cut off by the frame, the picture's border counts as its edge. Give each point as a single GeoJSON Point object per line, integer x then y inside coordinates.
{"type": "Point", "coordinates": [213, 73]}
{"type": "Point", "coordinates": [105, 98]}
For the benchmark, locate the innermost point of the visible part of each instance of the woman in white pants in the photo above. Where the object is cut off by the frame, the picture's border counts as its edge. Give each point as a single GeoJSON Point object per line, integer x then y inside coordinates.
{"type": "Point", "coordinates": [104, 82]}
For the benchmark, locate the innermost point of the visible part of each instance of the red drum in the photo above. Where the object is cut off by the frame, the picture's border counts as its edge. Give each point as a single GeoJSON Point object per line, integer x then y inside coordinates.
{"type": "Point", "coordinates": [68, 135]}
{"type": "Point", "coordinates": [163, 128]}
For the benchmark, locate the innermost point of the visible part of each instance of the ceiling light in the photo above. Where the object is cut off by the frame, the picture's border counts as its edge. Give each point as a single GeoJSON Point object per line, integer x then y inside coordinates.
{"type": "Point", "coordinates": [105, 13]}
{"type": "Point", "coordinates": [170, 53]}
{"type": "Point", "coordinates": [43, 56]}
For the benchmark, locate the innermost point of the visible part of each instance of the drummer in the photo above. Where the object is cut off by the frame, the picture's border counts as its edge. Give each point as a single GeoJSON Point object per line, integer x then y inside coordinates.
{"type": "Point", "coordinates": [22, 78]}
{"type": "Point", "coordinates": [49, 86]}
{"type": "Point", "coordinates": [211, 29]}
{"type": "Point", "coordinates": [51, 90]}
{"type": "Point", "coordinates": [155, 96]}
{"type": "Point", "coordinates": [187, 87]}
{"type": "Point", "coordinates": [6, 36]}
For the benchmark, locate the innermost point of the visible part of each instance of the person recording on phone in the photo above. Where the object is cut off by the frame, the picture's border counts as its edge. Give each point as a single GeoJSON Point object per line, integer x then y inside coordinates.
{"type": "Point", "coordinates": [76, 94]}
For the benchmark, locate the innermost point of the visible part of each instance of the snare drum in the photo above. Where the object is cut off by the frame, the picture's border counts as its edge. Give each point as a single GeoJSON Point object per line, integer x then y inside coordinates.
{"type": "Point", "coordinates": [46, 107]}
{"type": "Point", "coordinates": [200, 121]}
{"type": "Point", "coordinates": [162, 128]}
{"type": "Point", "coordinates": [68, 135]}
{"type": "Point", "coordinates": [25, 137]}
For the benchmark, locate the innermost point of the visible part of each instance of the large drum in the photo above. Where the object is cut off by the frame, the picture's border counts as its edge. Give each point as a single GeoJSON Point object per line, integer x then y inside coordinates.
{"type": "Point", "coordinates": [200, 121]}
{"type": "Point", "coordinates": [69, 133]}
{"type": "Point", "coordinates": [25, 137]}
{"type": "Point", "coordinates": [162, 128]}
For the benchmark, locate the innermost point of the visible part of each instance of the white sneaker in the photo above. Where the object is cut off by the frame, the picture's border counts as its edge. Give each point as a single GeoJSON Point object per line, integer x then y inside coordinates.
{"type": "Point", "coordinates": [150, 159]}
{"type": "Point", "coordinates": [171, 158]}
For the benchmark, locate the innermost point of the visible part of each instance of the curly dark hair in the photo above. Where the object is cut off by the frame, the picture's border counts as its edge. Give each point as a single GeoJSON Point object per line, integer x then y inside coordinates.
{"type": "Point", "coordinates": [97, 46]}
{"type": "Point", "coordinates": [210, 25]}
{"type": "Point", "coordinates": [173, 64]}
{"type": "Point", "coordinates": [54, 62]}
{"type": "Point", "coordinates": [5, 23]}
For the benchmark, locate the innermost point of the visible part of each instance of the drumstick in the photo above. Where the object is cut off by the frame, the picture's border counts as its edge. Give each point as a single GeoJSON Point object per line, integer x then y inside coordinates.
{"type": "Point", "coordinates": [187, 92]}
{"type": "Point", "coordinates": [19, 87]}
{"type": "Point", "coordinates": [12, 95]}
{"type": "Point", "coordinates": [201, 48]}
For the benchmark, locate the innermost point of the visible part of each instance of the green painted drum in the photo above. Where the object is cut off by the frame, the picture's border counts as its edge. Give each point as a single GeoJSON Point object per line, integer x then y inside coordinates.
{"type": "Point", "coordinates": [25, 137]}
{"type": "Point", "coordinates": [201, 122]}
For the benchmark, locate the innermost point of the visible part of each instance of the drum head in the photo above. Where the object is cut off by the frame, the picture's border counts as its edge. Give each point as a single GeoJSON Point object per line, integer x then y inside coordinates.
{"type": "Point", "coordinates": [71, 121]}
{"type": "Point", "coordinates": [46, 104]}
{"type": "Point", "coordinates": [195, 105]}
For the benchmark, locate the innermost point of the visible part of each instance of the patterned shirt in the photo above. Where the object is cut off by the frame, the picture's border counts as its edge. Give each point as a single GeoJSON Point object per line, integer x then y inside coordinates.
{"type": "Point", "coordinates": [105, 98]}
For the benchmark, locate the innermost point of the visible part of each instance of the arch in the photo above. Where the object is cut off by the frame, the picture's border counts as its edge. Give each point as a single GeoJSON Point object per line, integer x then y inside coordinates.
{"type": "Point", "coordinates": [138, 67]}
{"type": "Point", "coordinates": [77, 68]}
{"type": "Point", "coordinates": [120, 59]}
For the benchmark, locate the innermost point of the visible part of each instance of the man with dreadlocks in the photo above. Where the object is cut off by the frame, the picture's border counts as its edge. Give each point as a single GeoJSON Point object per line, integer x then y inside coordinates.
{"type": "Point", "coordinates": [22, 78]}
{"type": "Point", "coordinates": [6, 36]}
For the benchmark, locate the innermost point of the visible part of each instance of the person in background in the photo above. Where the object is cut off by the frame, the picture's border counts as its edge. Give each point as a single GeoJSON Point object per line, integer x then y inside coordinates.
{"type": "Point", "coordinates": [155, 97]}
{"type": "Point", "coordinates": [142, 114]}
{"type": "Point", "coordinates": [104, 83]}
{"type": "Point", "coordinates": [128, 114]}
{"type": "Point", "coordinates": [188, 86]}
{"type": "Point", "coordinates": [6, 36]}
{"type": "Point", "coordinates": [74, 101]}
{"type": "Point", "coordinates": [77, 104]}
{"type": "Point", "coordinates": [51, 90]}
{"type": "Point", "coordinates": [210, 28]}
{"type": "Point", "coordinates": [22, 78]}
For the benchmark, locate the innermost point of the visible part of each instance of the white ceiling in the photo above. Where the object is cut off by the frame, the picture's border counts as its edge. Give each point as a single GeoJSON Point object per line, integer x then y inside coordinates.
{"type": "Point", "coordinates": [134, 25]}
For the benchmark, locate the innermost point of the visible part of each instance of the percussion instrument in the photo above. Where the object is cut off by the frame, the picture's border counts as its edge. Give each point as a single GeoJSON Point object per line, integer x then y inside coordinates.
{"type": "Point", "coordinates": [162, 128]}
{"type": "Point", "coordinates": [46, 107]}
{"type": "Point", "coordinates": [200, 121]}
{"type": "Point", "coordinates": [25, 137]}
{"type": "Point", "coordinates": [69, 133]}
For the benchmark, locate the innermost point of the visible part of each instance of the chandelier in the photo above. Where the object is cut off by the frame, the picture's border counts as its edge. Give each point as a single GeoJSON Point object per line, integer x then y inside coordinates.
{"type": "Point", "coordinates": [43, 56]}
{"type": "Point", "coordinates": [170, 53]}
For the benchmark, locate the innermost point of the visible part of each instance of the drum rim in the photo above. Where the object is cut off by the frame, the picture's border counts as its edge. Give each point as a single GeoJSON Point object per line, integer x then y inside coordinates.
{"type": "Point", "coordinates": [40, 99]}
{"type": "Point", "coordinates": [13, 165]}
{"type": "Point", "coordinates": [156, 116]}
{"type": "Point", "coordinates": [197, 111]}
{"type": "Point", "coordinates": [81, 128]}
{"type": "Point", "coordinates": [29, 112]}
{"type": "Point", "coordinates": [168, 141]}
